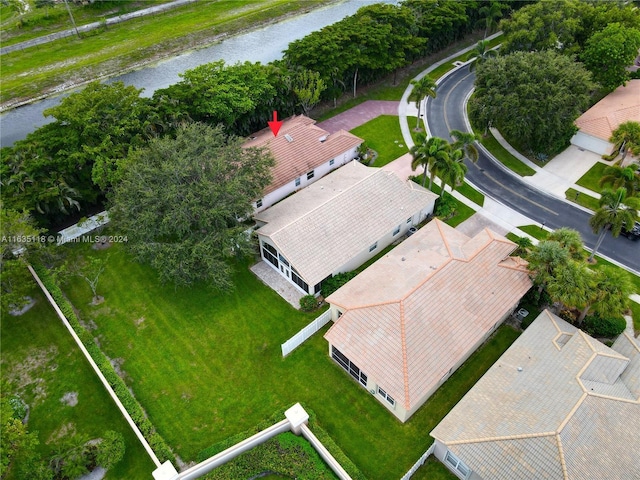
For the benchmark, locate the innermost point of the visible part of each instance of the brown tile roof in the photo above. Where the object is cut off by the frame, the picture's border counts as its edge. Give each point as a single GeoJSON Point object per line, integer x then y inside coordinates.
{"type": "Point", "coordinates": [411, 316]}
{"type": "Point", "coordinates": [326, 224]}
{"type": "Point", "coordinates": [305, 152]}
{"type": "Point", "coordinates": [571, 411]}
{"type": "Point", "coordinates": [622, 105]}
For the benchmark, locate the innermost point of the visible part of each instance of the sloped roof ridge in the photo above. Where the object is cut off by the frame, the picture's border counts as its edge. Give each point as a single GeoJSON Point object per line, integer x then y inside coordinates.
{"type": "Point", "coordinates": [405, 367]}
{"type": "Point", "coordinates": [369, 305]}
{"type": "Point", "coordinates": [331, 199]}
{"type": "Point", "coordinates": [563, 463]}
{"type": "Point", "coordinates": [520, 436]}
{"type": "Point", "coordinates": [600, 348]}
{"type": "Point", "coordinates": [444, 237]}
{"type": "Point", "coordinates": [428, 277]}
{"type": "Point", "coordinates": [514, 263]}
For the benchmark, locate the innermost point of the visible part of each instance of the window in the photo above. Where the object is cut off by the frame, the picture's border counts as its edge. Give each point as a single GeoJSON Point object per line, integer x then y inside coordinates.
{"type": "Point", "coordinates": [409, 219]}
{"type": "Point", "coordinates": [270, 254]}
{"type": "Point", "coordinates": [317, 287]}
{"type": "Point", "coordinates": [310, 175]}
{"type": "Point", "coordinates": [298, 182]}
{"type": "Point", "coordinates": [456, 464]}
{"type": "Point", "coordinates": [373, 247]}
{"type": "Point", "coordinates": [386, 396]}
{"type": "Point", "coordinates": [396, 231]}
{"type": "Point", "coordinates": [258, 203]}
{"type": "Point", "coordinates": [283, 260]}
{"type": "Point", "coordinates": [298, 281]}
{"type": "Point", "coordinates": [349, 366]}
{"type": "Point", "coordinates": [331, 162]}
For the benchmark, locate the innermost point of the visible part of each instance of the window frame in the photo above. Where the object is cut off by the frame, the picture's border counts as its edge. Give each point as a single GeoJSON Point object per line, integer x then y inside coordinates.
{"type": "Point", "coordinates": [311, 174]}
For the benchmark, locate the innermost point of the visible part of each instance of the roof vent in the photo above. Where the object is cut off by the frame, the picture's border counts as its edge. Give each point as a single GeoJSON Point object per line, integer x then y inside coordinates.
{"type": "Point", "coordinates": [403, 259]}
{"type": "Point", "coordinates": [519, 369]}
{"type": "Point", "coordinates": [288, 137]}
{"type": "Point", "coordinates": [323, 138]}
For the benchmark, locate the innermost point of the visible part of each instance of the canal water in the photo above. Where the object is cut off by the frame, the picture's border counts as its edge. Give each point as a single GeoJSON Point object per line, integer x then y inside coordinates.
{"type": "Point", "coordinates": [262, 45]}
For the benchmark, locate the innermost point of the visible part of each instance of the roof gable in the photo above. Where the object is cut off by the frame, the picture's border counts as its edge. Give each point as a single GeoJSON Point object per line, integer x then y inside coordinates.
{"type": "Point", "coordinates": [300, 147]}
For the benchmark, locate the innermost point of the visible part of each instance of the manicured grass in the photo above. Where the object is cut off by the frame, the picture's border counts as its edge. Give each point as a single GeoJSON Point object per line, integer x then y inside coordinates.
{"type": "Point", "coordinates": [582, 199]}
{"type": "Point", "coordinates": [207, 365]}
{"type": "Point", "coordinates": [384, 136]}
{"type": "Point", "coordinates": [433, 469]}
{"type": "Point", "coordinates": [463, 212]}
{"type": "Point", "coordinates": [471, 193]}
{"type": "Point", "coordinates": [635, 313]}
{"type": "Point", "coordinates": [124, 45]}
{"type": "Point", "coordinates": [42, 363]}
{"type": "Point", "coordinates": [503, 156]}
{"type": "Point", "coordinates": [535, 231]}
{"type": "Point", "coordinates": [591, 179]}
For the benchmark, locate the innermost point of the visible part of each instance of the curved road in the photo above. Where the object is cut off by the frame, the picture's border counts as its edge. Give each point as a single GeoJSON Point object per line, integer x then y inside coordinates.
{"type": "Point", "coordinates": [447, 112]}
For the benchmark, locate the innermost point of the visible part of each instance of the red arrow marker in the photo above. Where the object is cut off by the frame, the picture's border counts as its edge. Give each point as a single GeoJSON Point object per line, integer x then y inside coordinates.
{"type": "Point", "coordinates": [275, 124]}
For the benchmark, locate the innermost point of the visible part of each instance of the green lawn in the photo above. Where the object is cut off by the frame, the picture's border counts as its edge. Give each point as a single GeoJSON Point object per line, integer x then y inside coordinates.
{"type": "Point", "coordinates": [384, 136]}
{"type": "Point", "coordinates": [32, 71]}
{"type": "Point", "coordinates": [433, 469]}
{"type": "Point", "coordinates": [635, 312]}
{"type": "Point", "coordinates": [42, 363]}
{"type": "Point", "coordinates": [582, 199]}
{"type": "Point", "coordinates": [463, 212]}
{"type": "Point", "coordinates": [471, 193]}
{"type": "Point", "coordinates": [206, 366]}
{"type": "Point", "coordinates": [503, 156]}
{"type": "Point", "coordinates": [591, 179]}
{"type": "Point", "coordinates": [535, 231]}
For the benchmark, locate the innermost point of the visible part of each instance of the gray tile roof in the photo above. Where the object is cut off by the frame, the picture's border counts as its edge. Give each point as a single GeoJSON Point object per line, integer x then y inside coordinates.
{"type": "Point", "coordinates": [581, 395]}
{"type": "Point", "coordinates": [323, 226]}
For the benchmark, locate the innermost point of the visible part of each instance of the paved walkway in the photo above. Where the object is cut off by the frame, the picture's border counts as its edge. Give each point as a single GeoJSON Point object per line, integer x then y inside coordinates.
{"type": "Point", "coordinates": [360, 114]}
{"type": "Point", "coordinates": [277, 282]}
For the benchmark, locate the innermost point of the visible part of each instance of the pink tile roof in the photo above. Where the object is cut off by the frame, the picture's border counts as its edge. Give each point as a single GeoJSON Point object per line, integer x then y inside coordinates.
{"type": "Point", "coordinates": [305, 152]}
{"type": "Point", "coordinates": [412, 315]}
{"type": "Point", "coordinates": [622, 105]}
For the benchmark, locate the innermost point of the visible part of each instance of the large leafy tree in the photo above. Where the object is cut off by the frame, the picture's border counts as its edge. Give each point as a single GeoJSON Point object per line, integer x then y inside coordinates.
{"type": "Point", "coordinates": [626, 138]}
{"type": "Point", "coordinates": [532, 97]}
{"type": "Point", "coordinates": [609, 52]}
{"type": "Point", "coordinates": [545, 260]}
{"type": "Point", "coordinates": [439, 21]}
{"type": "Point", "coordinates": [422, 88]}
{"type": "Point", "coordinates": [616, 210]}
{"type": "Point", "coordinates": [180, 203]}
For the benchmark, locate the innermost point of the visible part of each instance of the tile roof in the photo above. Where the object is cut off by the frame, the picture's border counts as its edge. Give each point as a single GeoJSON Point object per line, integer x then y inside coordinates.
{"type": "Point", "coordinates": [578, 398]}
{"type": "Point", "coordinates": [310, 147]}
{"type": "Point", "coordinates": [412, 315]}
{"type": "Point", "coordinates": [622, 105]}
{"type": "Point", "coordinates": [326, 224]}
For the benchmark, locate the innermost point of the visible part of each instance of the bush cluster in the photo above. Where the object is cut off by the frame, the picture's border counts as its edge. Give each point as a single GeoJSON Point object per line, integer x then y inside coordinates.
{"type": "Point", "coordinates": [597, 326]}
{"type": "Point", "coordinates": [308, 303]}
{"type": "Point", "coordinates": [130, 403]}
{"type": "Point", "coordinates": [334, 283]}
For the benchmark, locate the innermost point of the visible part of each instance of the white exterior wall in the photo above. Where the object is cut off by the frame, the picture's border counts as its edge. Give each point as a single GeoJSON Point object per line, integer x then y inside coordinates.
{"type": "Point", "coordinates": [282, 268]}
{"type": "Point", "coordinates": [591, 143]}
{"type": "Point", "coordinates": [440, 452]}
{"type": "Point", "coordinates": [318, 172]}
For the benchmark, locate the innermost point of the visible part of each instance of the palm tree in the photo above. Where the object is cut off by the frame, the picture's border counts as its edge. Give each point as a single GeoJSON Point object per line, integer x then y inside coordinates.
{"type": "Point", "coordinates": [616, 211]}
{"type": "Point", "coordinates": [545, 260]}
{"type": "Point", "coordinates": [426, 153]}
{"type": "Point", "coordinates": [481, 52]}
{"type": "Point", "coordinates": [610, 295]}
{"type": "Point", "coordinates": [465, 141]}
{"type": "Point", "coordinates": [626, 138]}
{"type": "Point", "coordinates": [452, 170]}
{"type": "Point", "coordinates": [425, 87]}
{"type": "Point", "coordinates": [570, 240]}
{"type": "Point", "coordinates": [490, 13]}
{"type": "Point", "coordinates": [572, 285]}
{"type": "Point", "coordinates": [626, 177]}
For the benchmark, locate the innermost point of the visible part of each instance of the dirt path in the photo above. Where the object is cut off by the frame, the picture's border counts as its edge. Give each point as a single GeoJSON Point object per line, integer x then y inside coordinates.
{"type": "Point", "coordinates": [359, 114]}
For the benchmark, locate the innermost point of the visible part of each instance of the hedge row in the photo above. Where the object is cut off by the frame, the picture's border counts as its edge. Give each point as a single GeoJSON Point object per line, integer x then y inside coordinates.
{"type": "Point", "coordinates": [157, 443]}
{"type": "Point", "coordinates": [266, 463]}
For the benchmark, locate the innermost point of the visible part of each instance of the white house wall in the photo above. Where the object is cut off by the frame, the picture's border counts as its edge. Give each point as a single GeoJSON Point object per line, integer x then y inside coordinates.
{"type": "Point", "coordinates": [591, 143]}
{"type": "Point", "coordinates": [318, 172]}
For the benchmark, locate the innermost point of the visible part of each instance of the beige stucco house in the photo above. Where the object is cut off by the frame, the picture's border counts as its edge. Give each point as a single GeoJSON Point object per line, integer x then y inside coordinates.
{"type": "Point", "coordinates": [598, 123]}
{"type": "Point", "coordinates": [303, 154]}
{"type": "Point", "coordinates": [558, 404]}
{"type": "Point", "coordinates": [338, 223]}
{"type": "Point", "coordinates": [407, 322]}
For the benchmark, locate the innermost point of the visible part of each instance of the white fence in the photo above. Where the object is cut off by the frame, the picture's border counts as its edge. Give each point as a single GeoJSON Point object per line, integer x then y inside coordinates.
{"type": "Point", "coordinates": [419, 463]}
{"type": "Point", "coordinates": [297, 340]}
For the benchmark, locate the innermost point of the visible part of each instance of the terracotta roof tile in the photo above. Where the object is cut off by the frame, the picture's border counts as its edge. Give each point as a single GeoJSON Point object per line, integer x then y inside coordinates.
{"type": "Point", "coordinates": [410, 317]}
{"type": "Point", "coordinates": [310, 147]}
{"type": "Point", "coordinates": [622, 105]}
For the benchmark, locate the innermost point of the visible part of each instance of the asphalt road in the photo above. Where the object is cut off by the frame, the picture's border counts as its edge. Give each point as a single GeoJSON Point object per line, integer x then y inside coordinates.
{"type": "Point", "coordinates": [446, 112]}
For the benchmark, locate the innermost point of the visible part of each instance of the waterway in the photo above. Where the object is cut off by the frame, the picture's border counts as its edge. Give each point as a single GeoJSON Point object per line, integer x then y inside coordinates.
{"type": "Point", "coordinates": [261, 45]}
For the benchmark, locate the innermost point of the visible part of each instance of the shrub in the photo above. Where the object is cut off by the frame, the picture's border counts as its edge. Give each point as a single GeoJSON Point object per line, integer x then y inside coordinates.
{"type": "Point", "coordinates": [308, 303]}
{"type": "Point", "coordinates": [446, 206]}
{"type": "Point", "coordinates": [110, 450]}
{"type": "Point", "coordinates": [334, 283]}
{"type": "Point", "coordinates": [596, 326]}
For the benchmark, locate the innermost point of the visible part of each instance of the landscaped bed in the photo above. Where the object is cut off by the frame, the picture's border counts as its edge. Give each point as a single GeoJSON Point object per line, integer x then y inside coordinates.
{"type": "Point", "coordinates": [206, 366]}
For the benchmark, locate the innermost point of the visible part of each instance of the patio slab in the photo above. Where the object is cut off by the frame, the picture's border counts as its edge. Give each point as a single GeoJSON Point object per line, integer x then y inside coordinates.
{"type": "Point", "coordinates": [277, 282]}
